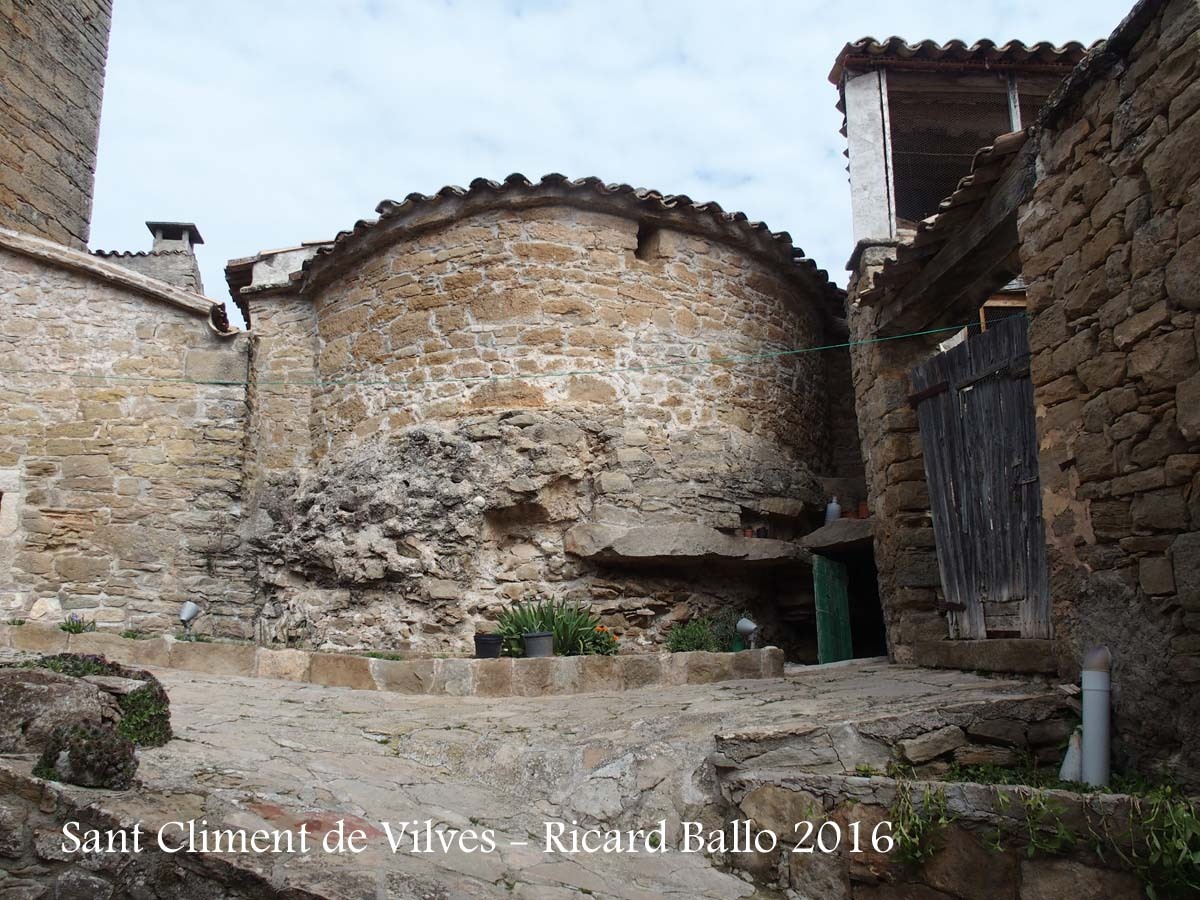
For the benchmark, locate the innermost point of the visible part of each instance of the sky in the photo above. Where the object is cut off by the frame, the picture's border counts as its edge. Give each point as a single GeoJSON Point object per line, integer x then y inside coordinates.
{"type": "Point", "coordinates": [268, 123]}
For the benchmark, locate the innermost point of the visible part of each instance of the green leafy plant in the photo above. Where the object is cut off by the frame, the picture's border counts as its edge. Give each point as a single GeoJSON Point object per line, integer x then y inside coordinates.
{"type": "Point", "coordinates": [1045, 831]}
{"type": "Point", "coordinates": [716, 633]}
{"type": "Point", "coordinates": [692, 635]}
{"type": "Point", "coordinates": [146, 712]}
{"type": "Point", "coordinates": [16, 621]}
{"type": "Point", "coordinates": [134, 635]}
{"type": "Point", "coordinates": [1159, 841]}
{"type": "Point", "coordinates": [383, 654]}
{"type": "Point", "coordinates": [915, 827]}
{"type": "Point", "coordinates": [77, 625]}
{"type": "Point", "coordinates": [577, 631]}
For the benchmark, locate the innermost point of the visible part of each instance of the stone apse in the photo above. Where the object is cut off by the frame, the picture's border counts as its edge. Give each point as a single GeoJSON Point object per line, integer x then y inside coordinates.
{"type": "Point", "coordinates": [520, 391]}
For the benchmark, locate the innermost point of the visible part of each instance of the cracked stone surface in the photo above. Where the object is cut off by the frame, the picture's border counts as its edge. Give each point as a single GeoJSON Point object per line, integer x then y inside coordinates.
{"type": "Point", "coordinates": [257, 753]}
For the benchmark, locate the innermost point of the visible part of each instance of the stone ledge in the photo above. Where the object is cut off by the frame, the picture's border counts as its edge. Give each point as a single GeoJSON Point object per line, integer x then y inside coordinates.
{"type": "Point", "coordinates": [505, 677]}
{"type": "Point", "coordinates": [683, 544]}
{"type": "Point", "coordinates": [1023, 656]}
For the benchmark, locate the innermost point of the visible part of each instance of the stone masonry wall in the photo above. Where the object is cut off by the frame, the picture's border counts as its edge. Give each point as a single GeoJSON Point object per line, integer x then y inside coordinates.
{"type": "Point", "coordinates": [52, 55]}
{"type": "Point", "coordinates": [121, 496]}
{"type": "Point", "coordinates": [435, 497]}
{"type": "Point", "coordinates": [1110, 248]}
{"type": "Point", "coordinates": [905, 554]}
{"type": "Point", "coordinates": [177, 267]}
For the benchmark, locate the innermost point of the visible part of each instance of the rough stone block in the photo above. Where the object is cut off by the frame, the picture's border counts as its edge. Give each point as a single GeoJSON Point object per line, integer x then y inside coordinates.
{"type": "Point", "coordinates": [216, 365]}
{"type": "Point", "coordinates": [127, 651]}
{"type": "Point", "coordinates": [772, 662]}
{"type": "Point", "coordinates": [568, 675]}
{"type": "Point", "coordinates": [289, 665]}
{"type": "Point", "coordinates": [213, 659]}
{"type": "Point", "coordinates": [453, 677]}
{"type": "Point", "coordinates": [1187, 408]}
{"type": "Point", "coordinates": [494, 677]}
{"type": "Point", "coordinates": [1155, 575]}
{"type": "Point", "coordinates": [1017, 655]}
{"type": "Point", "coordinates": [776, 808]}
{"type": "Point", "coordinates": [1185, 562]}
{"type": "Point", "coordinates": [533, 677]}
{"type": "Point", "coordinates": [705, 668]}
{"type": "Point", "coordinates": [675, 669]}
{"type": "Point", "coordinates": [408, 676]}
{"type": "Point", "coordinates": [1054, 879]}
{"type": "Point", "coordinates": [999, 731]}
{"type": "Point", "coordinates": [341, 670]}
{"type": "Point", "coordinates": [932, 744]}
{"type": "Point", "coordinates": [1050, 732]}
{"type": "Point", "coordinates": [748, 664]}
{"type": "Point", "coordinates": [599, 673]}
{"type": "Point", "coordinates": [984, 755]}
{"type": "Point", "coordinates": [640, 670]}
{"type": "Point", "coordinates": [965, 867]}
{"type": "Point", "coordinates": [39, 639]}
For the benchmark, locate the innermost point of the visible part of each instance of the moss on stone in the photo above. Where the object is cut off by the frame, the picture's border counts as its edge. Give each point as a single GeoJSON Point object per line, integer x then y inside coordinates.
{"type": "Point", "coordinates": [89, 756]}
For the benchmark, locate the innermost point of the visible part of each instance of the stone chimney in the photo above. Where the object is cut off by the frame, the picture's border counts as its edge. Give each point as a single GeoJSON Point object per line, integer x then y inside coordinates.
{"type": "Point", "coordinates": [170, 236]}
{"type": "Point", "coordinates": [171, 258]}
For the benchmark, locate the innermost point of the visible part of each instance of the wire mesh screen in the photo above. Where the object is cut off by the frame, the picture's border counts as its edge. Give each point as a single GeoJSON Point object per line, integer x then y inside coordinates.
{"type": "Point", "coordinates": [934, 138]}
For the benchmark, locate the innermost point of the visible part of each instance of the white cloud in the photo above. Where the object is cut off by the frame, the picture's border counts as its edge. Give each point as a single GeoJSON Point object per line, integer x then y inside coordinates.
{"type": "Point", "coordinates": [268, 123]}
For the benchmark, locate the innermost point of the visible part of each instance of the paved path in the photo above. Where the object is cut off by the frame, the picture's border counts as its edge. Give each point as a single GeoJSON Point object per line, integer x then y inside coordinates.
{"type": "Point", "coordinates": [270, 754]}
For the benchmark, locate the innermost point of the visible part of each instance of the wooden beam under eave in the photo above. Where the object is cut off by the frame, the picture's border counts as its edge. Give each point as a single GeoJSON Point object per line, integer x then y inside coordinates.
{"type": "Point", "coordinates": [960, 270]}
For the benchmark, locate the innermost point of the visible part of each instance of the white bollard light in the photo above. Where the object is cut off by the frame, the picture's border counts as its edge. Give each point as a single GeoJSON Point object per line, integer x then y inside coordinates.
{"type": "Point", "coordinates": [1097, 713]}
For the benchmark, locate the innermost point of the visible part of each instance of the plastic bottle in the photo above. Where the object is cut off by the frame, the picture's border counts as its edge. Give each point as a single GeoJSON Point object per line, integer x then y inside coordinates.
{"type": "Point", "coordinates": [833, 511]}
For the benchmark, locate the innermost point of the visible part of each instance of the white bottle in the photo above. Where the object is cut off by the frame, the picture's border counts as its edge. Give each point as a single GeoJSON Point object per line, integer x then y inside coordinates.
{"type": "Point", "coordinates": [833, 512]}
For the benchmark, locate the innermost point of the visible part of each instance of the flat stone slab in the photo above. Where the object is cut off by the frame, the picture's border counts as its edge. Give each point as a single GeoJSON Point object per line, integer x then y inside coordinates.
{"type": "Point", "coordinates": [259, 753]}
{"type": "Point", "coordinates": [678, 545]}
{"type": "Point", "coordinates": [839, 536]}
{"type": "Point", "coordinates": [1023, 656]}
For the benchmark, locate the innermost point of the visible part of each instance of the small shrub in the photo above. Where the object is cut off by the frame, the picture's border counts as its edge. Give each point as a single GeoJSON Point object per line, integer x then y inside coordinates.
{"type": "Point", "coordinates": [695, 634]}
{"type": "Point", "coordinates": [577, 631]}
{"type": "Point", "coordinates": [76, 625]}
{"type": "Point", "coordinates": [383, 654]}
{"type": "Point", "coordinates": [716, 633]}
{"type": "Point", "coordinates": [95, 756]}
{"type": "Point", "coordinates": [16, 621]}
{"type": "Point", "coordinates": [914, 828]}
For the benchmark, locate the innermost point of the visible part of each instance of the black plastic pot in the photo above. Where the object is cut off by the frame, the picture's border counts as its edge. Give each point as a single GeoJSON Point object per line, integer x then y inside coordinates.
{"type": "Point", "coordinates": [538, 643]}
{"type": "Point", "coordinates": [487, 646]}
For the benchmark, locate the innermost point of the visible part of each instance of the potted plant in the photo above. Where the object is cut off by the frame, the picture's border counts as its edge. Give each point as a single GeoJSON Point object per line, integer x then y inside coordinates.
{"type": "Point", "coordinates": [538, 643]}
{"type": "Point", "coordinates": [488, 645]}
{"type": "Point", "coordinates": [559, 627]}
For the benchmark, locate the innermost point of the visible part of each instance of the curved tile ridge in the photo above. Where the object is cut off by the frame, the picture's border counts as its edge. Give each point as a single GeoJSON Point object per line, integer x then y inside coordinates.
{"type": "Point", "coordinates": [869, 51]}
{"type": "Point", "coordinates": [122, 254]}
{"type": "Point", "coordinates": [420, 212]}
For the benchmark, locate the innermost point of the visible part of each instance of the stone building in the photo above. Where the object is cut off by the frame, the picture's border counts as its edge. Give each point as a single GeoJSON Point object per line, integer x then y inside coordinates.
{"type": "Point", "coordinates": [53, 77]}
{"type": "Point", "coordinates": [552, 389]}
{"type": "Point", "coordinates": [577, 389]}
{"type": "Point", "coordinates": [1092, 208]}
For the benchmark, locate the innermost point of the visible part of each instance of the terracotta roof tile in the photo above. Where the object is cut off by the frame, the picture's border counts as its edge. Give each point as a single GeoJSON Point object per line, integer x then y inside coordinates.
{"type": "Point", "coordinates": [869, 53]}
{"type": "Point", "coordinates": [420, 211]}
{"type": "Point", "coordinates": [933, 232]}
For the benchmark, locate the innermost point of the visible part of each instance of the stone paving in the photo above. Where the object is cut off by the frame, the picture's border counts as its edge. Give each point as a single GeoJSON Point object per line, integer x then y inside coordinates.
{"type": "Point", "coordinates": [257, 753]}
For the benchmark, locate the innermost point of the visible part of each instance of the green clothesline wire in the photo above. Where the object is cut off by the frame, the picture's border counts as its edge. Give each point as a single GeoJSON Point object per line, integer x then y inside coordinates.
{"type": "Point", "coordinates": [479, 379]}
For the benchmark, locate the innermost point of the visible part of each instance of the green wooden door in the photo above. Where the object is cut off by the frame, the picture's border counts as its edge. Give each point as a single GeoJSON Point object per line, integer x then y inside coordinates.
{"type": "Point", "coordinates": [833, 609]}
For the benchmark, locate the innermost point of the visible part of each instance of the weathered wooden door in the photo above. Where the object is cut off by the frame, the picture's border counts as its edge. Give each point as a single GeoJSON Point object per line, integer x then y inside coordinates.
{"type": "Point", "coordinates": [975, 411]}
{"type": "Point", "coordinates": [830, 580]}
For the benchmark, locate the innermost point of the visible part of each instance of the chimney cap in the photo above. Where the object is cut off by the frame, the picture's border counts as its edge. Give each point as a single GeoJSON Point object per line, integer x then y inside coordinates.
{"type": "Point", "coordinates": [176, 231]}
